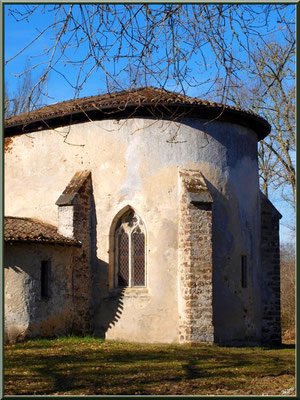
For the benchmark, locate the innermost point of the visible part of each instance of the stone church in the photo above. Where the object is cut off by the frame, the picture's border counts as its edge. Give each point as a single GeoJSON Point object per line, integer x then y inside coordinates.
{"type": "Point", "coordinates": [137, 216]}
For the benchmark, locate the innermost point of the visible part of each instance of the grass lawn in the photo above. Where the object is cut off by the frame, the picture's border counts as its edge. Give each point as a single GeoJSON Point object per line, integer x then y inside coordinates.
{"type": "Point", "coordinates": [89, 366]}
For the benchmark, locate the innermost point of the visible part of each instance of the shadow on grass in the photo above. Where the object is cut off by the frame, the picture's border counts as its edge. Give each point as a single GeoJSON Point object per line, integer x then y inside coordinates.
{"type": "Point", "coordinates": [288, 346]}
{"type": "Point", "coordinates": [90, 366]}
{"type": "Point", "coordinates": [291, 346]}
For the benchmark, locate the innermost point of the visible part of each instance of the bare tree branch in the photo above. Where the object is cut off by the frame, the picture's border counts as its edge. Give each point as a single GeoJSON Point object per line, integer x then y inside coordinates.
{"type": "Point", "coordinates": [167, 40]}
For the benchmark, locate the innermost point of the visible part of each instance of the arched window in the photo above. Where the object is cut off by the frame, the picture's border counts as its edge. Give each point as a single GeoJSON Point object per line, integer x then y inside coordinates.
{"type": "Point", "coordinates": [129, 242]}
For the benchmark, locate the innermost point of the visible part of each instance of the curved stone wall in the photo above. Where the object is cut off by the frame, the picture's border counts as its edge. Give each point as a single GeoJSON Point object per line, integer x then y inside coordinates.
{"type": "Point", "coordinates": [136, 163]}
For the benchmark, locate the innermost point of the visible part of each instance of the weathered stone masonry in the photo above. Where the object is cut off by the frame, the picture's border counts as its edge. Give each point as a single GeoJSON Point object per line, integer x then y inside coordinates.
{"type": "Point", "coordinates": [270, 259]}
{"type": "Point", "coordinates": [75, 221]}
{"type": "Point", "coordinates": [195, 260]}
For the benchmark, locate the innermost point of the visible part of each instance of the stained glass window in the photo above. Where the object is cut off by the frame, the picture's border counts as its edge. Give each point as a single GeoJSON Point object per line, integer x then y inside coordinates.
{"type": "Point", "coordinates": [130, 265]}
{"type": "Point", "coordinates": [138, 244]}
{"type": "Point", "coordinates": [123, 259]}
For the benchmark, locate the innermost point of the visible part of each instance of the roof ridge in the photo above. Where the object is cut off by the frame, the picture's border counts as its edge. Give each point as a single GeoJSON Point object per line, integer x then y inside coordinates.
{"type": "Point", "coordinates": [127, 103]}
{"type": "Point", "coordinates": [30, 219]}
{"type": "Point", "coordinates": [120, 93]}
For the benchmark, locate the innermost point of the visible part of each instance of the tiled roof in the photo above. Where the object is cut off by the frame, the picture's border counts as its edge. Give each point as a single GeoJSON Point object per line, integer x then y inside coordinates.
{"type": "Point", "coordinates": [17, 229]}
{"type": "Point", "coordinates": [144, 101]}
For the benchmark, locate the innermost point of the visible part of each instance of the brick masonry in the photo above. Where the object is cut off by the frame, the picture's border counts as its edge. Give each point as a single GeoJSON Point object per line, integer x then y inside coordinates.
{"type": "Point", "coordinates": [270, 258]}
{"type": "Point", "coordinates": [75, 220]}
{"type": "Point", "coordinates": [195, 260]}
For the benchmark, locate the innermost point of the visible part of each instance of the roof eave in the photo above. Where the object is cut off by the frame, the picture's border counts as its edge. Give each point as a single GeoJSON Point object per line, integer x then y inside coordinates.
{"type": "Point", "coordinates": [48, 242]}
{"type": "Point", "coordinates": [176, 111]}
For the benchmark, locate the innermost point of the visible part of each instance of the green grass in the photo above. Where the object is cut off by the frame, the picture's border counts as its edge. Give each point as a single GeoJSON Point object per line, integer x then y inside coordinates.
{"type": "Point", "coordinates": [89, 366]}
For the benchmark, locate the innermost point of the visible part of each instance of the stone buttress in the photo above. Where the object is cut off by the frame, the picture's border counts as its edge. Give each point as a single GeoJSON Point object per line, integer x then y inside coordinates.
{"type": "Point", "coordinates": [74, 220]}
{"type": "Point", "coordinates": [195, 259]}
{"type": "Point", "coordinates": [270, 259]}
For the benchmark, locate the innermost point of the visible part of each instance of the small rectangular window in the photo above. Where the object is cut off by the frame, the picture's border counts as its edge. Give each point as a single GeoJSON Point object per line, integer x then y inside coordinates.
{"type": "Point", "coordinates": [244, 271]}
{"type": "Point", "coordinates": [45, 279]}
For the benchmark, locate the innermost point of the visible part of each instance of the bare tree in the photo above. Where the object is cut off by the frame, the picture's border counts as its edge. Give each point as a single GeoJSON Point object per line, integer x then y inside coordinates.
{"type": "Point", "coordinates": [271, 93]}
{"type": "Point", "coordinates": [276, 71]}
{"type": "Point", "coordinates": [288, 290]}
{"type": "Point", "coordinates": [24, 98]}
{"type": "Point", "coordinates": [173, 45]}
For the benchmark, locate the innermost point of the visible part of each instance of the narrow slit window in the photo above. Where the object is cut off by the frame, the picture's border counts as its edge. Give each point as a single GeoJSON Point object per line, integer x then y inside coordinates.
{"type": "Point", "coordinates": [244, 271]}
{"type": "Point", "coordinates": [45, 279]}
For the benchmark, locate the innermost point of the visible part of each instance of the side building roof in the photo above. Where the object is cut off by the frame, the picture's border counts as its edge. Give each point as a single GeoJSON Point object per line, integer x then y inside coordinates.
{"type": "Point", "coordinates": [143, 102]}
{"type": "Point", "coordinates": [29, 230]}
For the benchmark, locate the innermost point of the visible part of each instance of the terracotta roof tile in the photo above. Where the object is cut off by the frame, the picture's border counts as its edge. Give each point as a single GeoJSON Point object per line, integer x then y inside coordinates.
{"type": "Point", "coordinates": [126, 103]}
{"type": "Point", "coordinates": [17, 229]}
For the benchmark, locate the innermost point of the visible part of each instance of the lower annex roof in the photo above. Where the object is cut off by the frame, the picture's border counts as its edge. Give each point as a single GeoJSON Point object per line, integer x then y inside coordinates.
{"type": "Point", "coordinates": [29, 230]}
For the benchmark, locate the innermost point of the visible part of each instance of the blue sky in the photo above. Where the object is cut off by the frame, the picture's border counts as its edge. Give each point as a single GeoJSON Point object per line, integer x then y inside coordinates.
{"type": "Point", "coordinates": [18, 34]}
